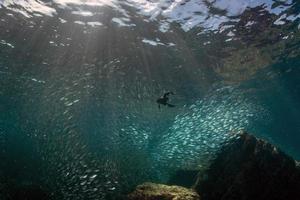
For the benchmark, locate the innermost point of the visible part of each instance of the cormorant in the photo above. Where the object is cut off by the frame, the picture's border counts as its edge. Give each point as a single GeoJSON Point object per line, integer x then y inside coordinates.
{"type": "Point", "coordinates": [164, 100]}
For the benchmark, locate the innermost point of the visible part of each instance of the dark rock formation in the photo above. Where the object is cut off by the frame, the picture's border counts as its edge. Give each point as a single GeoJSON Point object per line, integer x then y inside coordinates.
{"type": "Point", "coordinates": [152, 191]}
{"type": "Point", "coordinates": [246, 169]}
{"type": "Point", "coordinates": [250, 168]}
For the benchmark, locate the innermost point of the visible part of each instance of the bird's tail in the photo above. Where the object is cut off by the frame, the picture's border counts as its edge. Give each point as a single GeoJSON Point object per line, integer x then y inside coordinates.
{"type": "Point", "coordinates": [170, 105]}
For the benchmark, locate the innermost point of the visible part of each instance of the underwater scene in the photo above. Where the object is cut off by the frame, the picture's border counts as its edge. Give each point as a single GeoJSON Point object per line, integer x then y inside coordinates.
{"type": "Point", "coordinates": [100, 96]}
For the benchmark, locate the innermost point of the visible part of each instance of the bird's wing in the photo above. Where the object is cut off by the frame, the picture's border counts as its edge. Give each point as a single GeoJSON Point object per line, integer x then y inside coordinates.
{"type": "Point", "coordinates": [166, 94]}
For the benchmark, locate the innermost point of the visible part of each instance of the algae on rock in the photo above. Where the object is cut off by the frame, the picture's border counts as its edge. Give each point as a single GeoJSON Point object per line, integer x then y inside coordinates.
{"type": "Point", "coordinates": [153, 191]}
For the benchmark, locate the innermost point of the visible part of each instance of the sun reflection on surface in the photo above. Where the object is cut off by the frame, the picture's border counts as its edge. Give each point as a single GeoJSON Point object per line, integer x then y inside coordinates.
{"type": "Point", "coordinates": [87, 2]}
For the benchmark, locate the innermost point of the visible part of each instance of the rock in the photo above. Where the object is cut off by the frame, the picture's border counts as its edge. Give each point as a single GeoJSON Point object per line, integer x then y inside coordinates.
{"type": "Point", "coordinates": [250, 168]}
{"type": "Point", "coordinates": [152, 191]}
{"type": "Point", "coordinates": [246, 169]}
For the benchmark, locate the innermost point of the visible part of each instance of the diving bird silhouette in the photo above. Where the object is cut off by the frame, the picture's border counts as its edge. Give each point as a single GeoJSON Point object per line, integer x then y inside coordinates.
{"type": "Point", "coordinates": [163, 100]}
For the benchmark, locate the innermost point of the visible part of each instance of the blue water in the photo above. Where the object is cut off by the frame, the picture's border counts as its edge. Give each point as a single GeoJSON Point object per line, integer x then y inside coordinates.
{"type": "Point", "coordinates": [78, 112]}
